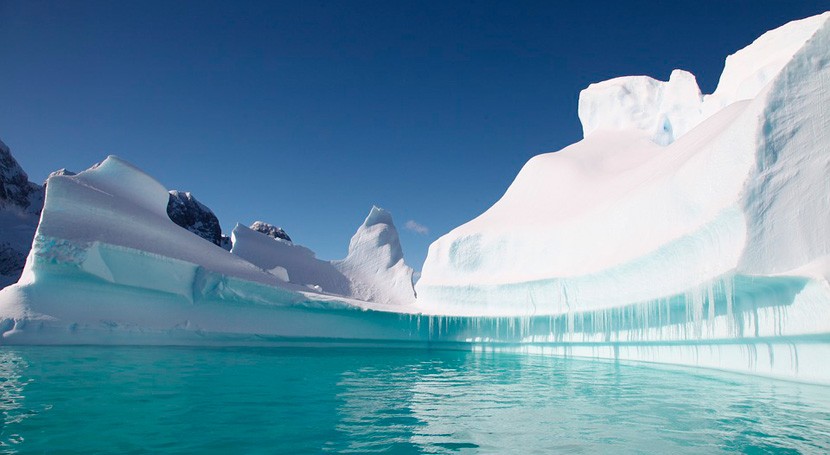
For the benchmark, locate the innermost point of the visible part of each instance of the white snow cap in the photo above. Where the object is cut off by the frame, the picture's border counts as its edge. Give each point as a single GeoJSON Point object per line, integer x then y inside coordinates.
{"type": "Point", "coordinates": [666, 111]}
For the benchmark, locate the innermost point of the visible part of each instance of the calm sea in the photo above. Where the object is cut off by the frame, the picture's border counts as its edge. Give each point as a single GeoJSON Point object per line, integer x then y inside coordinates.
{"type": "Point", "coordinates": [362, 400]}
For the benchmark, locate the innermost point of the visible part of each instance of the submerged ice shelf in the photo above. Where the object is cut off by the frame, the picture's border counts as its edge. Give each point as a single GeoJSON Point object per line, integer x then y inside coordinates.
{"type": "Point", "coordinates": [683, 228]}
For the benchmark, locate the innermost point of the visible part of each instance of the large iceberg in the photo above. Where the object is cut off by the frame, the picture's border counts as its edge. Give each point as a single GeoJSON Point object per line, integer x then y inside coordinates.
{"type": "Point", "coordinates": [661, 198]}
{"type": "Point", "coordinates": [684, 228]}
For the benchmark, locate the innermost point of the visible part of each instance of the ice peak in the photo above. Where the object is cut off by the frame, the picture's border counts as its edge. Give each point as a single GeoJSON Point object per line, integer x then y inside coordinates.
{"type": "Point", "coordinates": [375, 264]}
{"type": "Point", "coordinates": [377, 216]}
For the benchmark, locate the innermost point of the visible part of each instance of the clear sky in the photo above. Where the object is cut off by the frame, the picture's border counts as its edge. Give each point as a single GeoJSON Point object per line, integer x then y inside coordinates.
{"type": "Point", "coordinates": [305, 113]}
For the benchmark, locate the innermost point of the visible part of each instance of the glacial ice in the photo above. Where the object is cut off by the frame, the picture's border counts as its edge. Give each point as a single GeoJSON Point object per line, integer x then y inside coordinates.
{"type": "Point", "coordinates": [684, 228]}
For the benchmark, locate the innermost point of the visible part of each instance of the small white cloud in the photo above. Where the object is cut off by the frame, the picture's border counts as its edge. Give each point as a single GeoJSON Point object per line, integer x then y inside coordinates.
{"type": "Point", "coordinates": [416, 227]}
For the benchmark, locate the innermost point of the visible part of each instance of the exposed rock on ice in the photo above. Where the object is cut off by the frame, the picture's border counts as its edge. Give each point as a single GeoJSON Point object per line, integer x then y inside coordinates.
{"type": "Point", "coordinates": [270, 230]}
{"type": "Point", "coordinates": [20, 205]}
{"type": "Point", "coordinates": [16, 191]}
{"type": "Point", "coordinates": [194, 216]}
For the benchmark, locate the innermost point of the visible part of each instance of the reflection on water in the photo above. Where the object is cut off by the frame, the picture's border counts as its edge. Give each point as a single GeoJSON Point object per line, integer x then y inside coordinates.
{"type": "Point", "coordinates": [12, 385]}
{"type": "Point", "coordinates": [384, 400]}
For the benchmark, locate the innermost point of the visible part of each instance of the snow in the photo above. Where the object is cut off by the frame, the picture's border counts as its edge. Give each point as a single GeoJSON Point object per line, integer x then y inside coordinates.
{"type": "Point", "coordinates": [668, 110]}
{"type": "Point", "coordinates": [665, 110]}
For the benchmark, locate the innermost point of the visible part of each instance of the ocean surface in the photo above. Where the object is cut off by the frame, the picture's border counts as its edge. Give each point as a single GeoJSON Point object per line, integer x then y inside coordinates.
{"type": "Point", "coordinates": [365, 400]}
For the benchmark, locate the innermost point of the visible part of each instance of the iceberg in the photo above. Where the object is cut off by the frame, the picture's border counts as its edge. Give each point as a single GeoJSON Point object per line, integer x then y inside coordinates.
{"type": "Point", "coordinates": [681, 227]}
{"type": "Point", "coordinates": [642, 210]}
{"type": "Point", "coordinates": [684, 228]}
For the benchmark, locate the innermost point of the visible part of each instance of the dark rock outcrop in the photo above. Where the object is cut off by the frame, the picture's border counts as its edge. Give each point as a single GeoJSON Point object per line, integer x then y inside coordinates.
{"type": "Point", "coordinates": [16, 191]}
{"type": "Point", "coordinates": [270, 230]}
{"type": "Point", "coordinates": [20, 204]}
{"type": "Point", "coordinates": [194, 216]}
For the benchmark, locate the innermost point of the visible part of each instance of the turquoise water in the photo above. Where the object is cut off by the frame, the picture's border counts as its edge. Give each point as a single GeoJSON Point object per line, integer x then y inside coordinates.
{"type": "Point", "coordinates": [361, 400]}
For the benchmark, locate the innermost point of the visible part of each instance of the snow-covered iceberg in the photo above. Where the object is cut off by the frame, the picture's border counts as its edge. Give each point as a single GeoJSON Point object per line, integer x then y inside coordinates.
{"type": "Point", "coordinates": [660, 198]}
{"type": "Point", "coordinates": [684, 228]}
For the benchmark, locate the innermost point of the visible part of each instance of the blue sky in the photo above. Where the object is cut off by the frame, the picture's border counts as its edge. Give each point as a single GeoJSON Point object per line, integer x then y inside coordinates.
{"type": "Point", "coordinates": [304, 114]}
